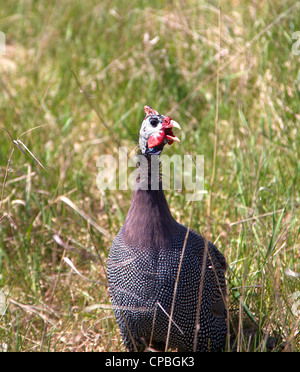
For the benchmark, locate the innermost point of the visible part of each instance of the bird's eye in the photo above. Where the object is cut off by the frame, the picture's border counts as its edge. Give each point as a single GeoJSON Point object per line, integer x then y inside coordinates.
{"type": "Point", "coordinates": [154, 122]}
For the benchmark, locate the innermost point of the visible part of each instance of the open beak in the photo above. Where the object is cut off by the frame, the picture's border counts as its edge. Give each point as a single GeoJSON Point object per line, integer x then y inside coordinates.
{"type": "Point", "coordinates": [167, 125]}
{"type": "Point", "coordinates": [169, 132]}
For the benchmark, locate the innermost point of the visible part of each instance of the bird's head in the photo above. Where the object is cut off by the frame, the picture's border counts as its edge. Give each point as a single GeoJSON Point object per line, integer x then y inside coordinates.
{"type": "Point", "coordinates": [156, 131]}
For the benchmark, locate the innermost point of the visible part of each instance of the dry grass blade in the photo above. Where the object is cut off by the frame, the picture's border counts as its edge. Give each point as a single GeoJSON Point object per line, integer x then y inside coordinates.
{"type": "Point", "coordinates": [31, 129]}
{"type": "Point", "coordinates": [3, 305]}
{"type": "Point", "coordinates": [71, 248]}
{"type": "Point", "coordinates": [70, 263]}
{"type": "Point", "coordinates": [32, 309]}
{"type": "Point", "coordinates": [18, 142]}
{"type": "Point", "coordinates": [67, 201]}
{"type": "Point", "coordinates": [50, 300]}
{"type": "Point", "coordinates": [170, 318]}
{"type": "Point", "coordinates": [216, 118]}
{"type": "Point", "coordinates": [90, 308]}
{"type": "Point", "coordinates": [197, 325]}
{"type": "Point", "coordinates": [5, 176]}
{"type": "Point", "coordinates": [7, 166]}
{"type": "Point", "coordinates": [177, 280]}
{"type": "Point", "coordinates": [256, 217]}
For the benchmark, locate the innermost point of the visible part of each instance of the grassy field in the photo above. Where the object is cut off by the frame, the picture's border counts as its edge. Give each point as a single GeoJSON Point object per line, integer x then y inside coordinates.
{"type": "Point", "coordinates": [74, 80]}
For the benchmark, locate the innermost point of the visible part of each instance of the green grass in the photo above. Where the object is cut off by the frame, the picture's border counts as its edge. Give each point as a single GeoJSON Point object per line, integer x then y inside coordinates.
{"type": "Point", "coordinates": [254, 211]}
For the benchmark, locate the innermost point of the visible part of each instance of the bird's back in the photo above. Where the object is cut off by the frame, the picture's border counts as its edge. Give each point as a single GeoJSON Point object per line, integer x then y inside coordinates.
{"type": "Point", "coordinates": [142, 282]}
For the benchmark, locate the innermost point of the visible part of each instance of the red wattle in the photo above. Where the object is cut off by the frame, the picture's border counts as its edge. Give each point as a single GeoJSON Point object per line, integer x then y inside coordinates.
{"type": "Point", "coordinates": [156, 139]}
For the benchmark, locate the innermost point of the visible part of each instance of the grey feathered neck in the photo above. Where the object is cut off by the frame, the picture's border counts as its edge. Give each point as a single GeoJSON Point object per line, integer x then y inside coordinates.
{"type": "Point", "coordinates": [148, 222]}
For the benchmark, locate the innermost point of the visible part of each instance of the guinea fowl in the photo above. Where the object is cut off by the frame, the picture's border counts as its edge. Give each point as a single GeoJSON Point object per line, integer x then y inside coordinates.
{"type": "Point", "coordinates": [166, 282]}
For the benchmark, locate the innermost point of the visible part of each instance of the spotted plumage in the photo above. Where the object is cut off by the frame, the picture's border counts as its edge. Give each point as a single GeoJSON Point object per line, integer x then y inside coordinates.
{"type": "Point", "coordinates": [143, 266]}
